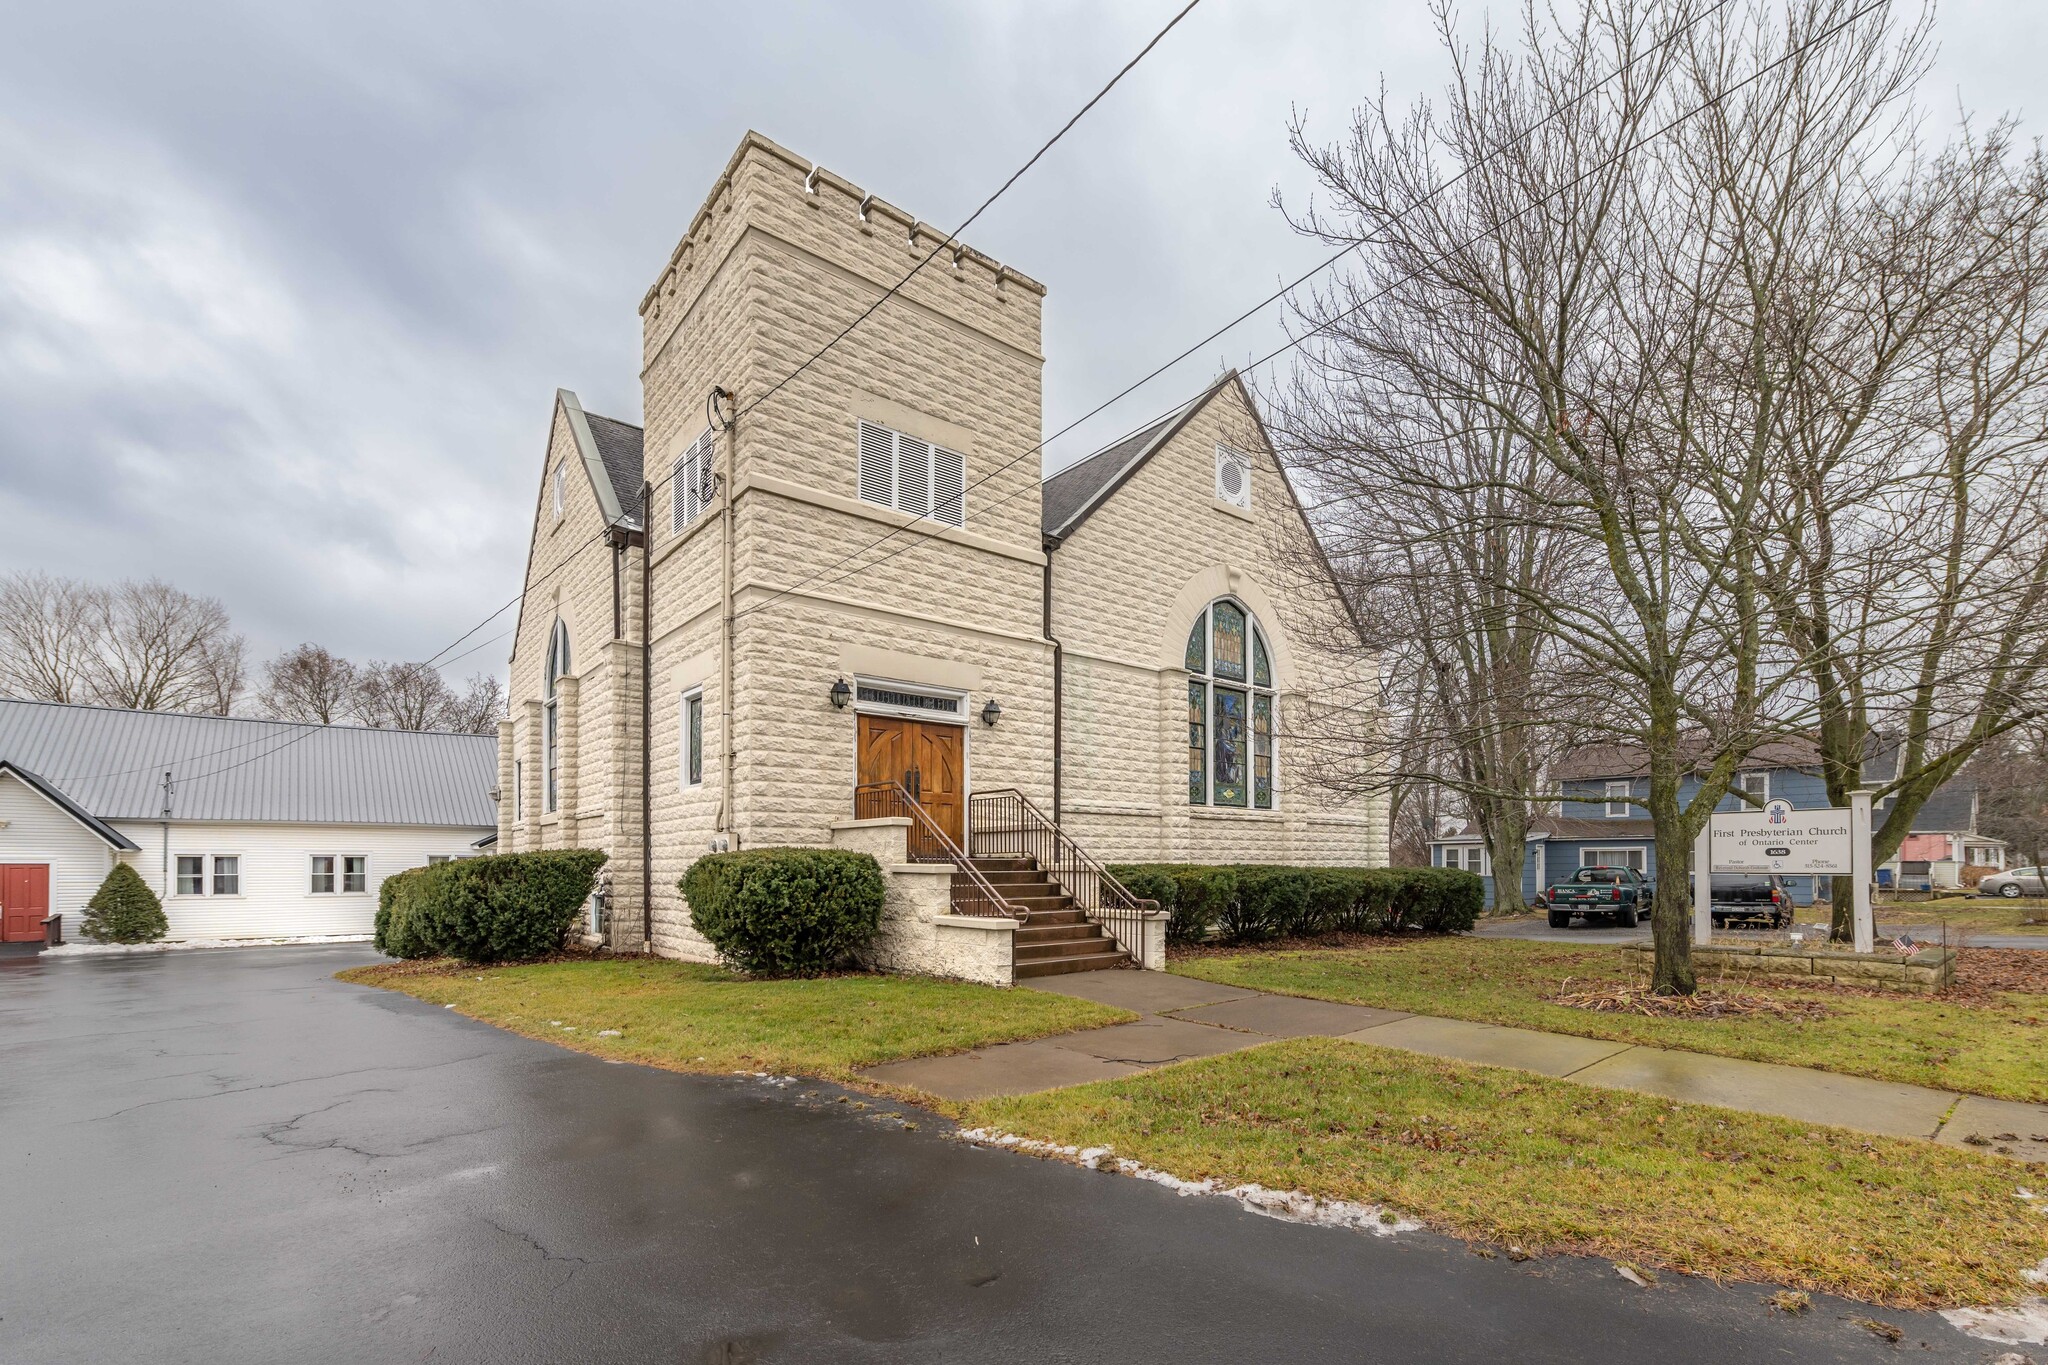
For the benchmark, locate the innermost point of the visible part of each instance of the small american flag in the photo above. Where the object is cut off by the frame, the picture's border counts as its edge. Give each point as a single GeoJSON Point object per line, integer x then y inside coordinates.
{"type": "Point", "coordinates": [1905, 944]}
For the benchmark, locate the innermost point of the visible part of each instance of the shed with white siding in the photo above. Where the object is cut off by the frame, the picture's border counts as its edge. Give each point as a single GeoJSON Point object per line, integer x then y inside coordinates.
{"type": "Point", "coordinates": [246, 828]}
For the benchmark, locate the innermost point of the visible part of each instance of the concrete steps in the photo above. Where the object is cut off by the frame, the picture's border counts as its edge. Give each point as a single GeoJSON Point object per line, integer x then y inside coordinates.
{"type": "Point", "coordinates": [1057, 937]}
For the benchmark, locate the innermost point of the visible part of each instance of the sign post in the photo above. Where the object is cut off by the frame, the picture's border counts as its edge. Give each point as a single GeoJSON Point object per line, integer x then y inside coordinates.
{"type": "Point", "coordinates": [1781, 838]}
{"type": "Point", "coordinates": [1860, 874]}
{"type": "Point", "coordinates": [1703, 885]}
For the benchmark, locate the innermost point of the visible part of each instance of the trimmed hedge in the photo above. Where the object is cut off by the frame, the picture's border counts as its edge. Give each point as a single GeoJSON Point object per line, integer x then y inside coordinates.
{"type": "Point", "coordinates": [124, 910]}
{"type": "Point", "coordinates": [785, 911]}
{"type": "Point", "coordinates": [505, 908]}
{"type": "Point", "coordinates": [1251, 903]}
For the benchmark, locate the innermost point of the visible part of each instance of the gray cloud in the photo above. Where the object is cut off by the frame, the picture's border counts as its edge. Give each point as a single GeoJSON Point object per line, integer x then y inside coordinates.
{"type": "Point", "coordinates": [285, 291]}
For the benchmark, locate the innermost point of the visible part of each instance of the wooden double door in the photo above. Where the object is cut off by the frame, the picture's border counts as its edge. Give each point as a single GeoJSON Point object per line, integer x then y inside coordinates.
{"type": "Point", "coordinates": [24, 901]}
{"type": "Point", "coordinates": [928, 759]}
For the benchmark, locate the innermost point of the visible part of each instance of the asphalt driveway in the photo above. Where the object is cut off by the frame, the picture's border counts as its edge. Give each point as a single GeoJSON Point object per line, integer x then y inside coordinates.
{"type": "Point", "coordinates": [228, 1156]}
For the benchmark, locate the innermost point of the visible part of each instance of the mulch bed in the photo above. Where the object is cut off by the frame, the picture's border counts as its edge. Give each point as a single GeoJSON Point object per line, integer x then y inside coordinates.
{"type": "Point", "coordinates": [1984, 972]}
{"type": "Point", "coordinates": [1707, 1003]}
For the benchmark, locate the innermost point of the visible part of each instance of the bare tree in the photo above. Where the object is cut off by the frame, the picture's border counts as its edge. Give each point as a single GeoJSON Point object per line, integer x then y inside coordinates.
{"type": "Point", "coordinates": [401, 696]}
{"type": "Point", "coordinates": [479, 708]}
{"type": "Point", "coordinates": [223, 675]}
{"type": "Point", "coordinates": [1908, 554]}
{"type": "Point", "coordinates": [307, 683]}
{"type": "Point", "coordinates": [1584, 275]}
{"type": "Point", "coordinates": [153, 647]}
{"type": "Point", "coordinates": [48, 632]}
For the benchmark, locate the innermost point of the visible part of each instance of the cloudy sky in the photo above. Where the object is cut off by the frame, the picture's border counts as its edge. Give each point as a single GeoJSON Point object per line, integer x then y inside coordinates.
{"type": "Point", "coordinates": [286, 289]}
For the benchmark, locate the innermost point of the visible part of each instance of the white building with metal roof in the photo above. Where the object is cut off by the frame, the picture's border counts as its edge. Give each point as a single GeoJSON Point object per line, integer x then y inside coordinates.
{"type": "Point", "coordinates": [245, 828]}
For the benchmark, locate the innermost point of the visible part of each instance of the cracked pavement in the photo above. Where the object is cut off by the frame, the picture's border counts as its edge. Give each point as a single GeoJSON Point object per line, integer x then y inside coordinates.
{"type": "Point", "coordinates": [227, 1156]}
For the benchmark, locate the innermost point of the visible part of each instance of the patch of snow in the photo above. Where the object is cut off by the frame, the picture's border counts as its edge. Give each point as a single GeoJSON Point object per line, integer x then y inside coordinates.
{"type": "Point", "coordinates": [1289, 1206]}
{"type": "Point", "coordinates": [611, 1033]}
{"type": "Point", "coordinates": [2023, 1324]}
{"type": "Point", "coordinates": [171, 945]}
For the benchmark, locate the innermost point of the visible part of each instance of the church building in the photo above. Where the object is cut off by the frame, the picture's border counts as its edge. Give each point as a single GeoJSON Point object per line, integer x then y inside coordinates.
{"type": "Point", "coordinates": [824, 597]}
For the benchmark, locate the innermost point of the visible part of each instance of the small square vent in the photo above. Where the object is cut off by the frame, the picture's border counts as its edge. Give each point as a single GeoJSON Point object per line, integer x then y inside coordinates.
{"type": "Point", "coordinates": [1234, 477]}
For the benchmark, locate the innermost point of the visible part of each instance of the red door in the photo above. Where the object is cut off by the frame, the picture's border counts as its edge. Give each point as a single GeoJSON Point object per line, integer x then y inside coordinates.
{"type": "Point", "coordinates": [24, 901]}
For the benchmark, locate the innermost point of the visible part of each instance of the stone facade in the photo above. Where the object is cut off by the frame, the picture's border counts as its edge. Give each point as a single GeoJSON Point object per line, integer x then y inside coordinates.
{"type": "Point", "coordinates": [822, 585]}
{"type": "Point", "coordinates": [1926, 972]}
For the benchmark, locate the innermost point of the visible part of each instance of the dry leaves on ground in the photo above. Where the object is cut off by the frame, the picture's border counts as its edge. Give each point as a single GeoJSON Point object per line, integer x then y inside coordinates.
{"type": "Point", "coordinates": [1708, 1003]}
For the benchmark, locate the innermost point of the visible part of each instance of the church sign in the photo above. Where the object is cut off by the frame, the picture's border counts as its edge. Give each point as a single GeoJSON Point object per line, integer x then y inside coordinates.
{"type": "Point", "coordinates": [1782, 839]}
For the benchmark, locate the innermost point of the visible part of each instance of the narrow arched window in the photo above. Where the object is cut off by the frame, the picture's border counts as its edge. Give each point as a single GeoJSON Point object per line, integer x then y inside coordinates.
{"type": "Point", "coordinates": [551, 718]}
{"type": "Point", "coordinates": [1230, 709]}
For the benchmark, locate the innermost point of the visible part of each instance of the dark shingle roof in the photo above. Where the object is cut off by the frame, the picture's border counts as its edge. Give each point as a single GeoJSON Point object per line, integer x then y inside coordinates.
{"type": "Point", "coordinates": [1069, 493]}
{"type": "Point", "coordinates": [619, 446]}
{"type": "Point", "coordinates": [1630, 760]}
{"type": "Point", "coordinates": [111, 763]}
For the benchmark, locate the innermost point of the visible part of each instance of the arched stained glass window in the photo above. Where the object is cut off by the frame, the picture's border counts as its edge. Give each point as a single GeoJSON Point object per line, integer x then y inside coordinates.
{"type": "Point", "coordinates": [551, 717]}
{"type": "Point", "coordinates": [1230, 709]}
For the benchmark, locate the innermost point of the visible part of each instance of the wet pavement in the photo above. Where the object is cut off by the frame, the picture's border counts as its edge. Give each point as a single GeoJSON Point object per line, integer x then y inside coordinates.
{"type": "Point", "coordinates": [227, 1156]}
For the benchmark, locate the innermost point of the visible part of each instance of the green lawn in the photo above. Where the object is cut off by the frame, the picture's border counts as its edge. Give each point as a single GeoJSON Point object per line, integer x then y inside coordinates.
{"type": "Point", "coordinates": [2000, 1050]}
{"type": "Point", "coordinates": [689, 1017]}
{"type": "Point", "coordinates": [1511, 1158]}
{"type": "Point", "coordinates": [1966, 915]}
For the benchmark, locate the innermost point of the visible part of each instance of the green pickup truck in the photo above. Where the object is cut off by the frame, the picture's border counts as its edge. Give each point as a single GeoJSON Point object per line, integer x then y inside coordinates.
{"type": "Point", "coordinates": [1620, 893]}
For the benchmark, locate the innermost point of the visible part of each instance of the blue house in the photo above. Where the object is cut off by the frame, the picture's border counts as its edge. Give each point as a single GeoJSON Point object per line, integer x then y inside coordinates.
{"type": "Point", "coordinates": [1602, 822]}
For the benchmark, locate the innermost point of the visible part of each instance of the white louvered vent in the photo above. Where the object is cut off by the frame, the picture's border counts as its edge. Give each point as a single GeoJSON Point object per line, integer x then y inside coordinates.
{"type": "Point", "coordinates": [691, 483]}
{"type": "Point", "coordinates": [1233, 478]}
{"type": "Point", "coordinates": [949, 486]}
{"type": "Point", "coordinates": [877, 464]}
{"type": "Point", "coordinates": [912, 475]}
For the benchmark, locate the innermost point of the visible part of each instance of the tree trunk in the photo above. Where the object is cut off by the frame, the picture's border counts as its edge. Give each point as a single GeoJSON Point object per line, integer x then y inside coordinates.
{"type": "Point", "coordinates": [1507, 844]}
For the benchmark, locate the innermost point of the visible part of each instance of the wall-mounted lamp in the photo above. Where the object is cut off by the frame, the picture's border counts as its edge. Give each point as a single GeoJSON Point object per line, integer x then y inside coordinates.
{"type": "Point", "coordinates": [991, 713]}
{"type": "Point", "coordinates": [841, 695]}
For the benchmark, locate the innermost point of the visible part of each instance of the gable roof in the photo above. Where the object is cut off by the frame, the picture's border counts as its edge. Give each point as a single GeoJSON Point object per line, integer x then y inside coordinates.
{"type": "Point", "coordinates": [112, 763]}
{"type": "Point", "coordinates": [1070, 495]}
{"type": "Point", "coordinates": [112, 836]}
{"type": "Point", "coordinates": [618, 447]}
{"type": "Point", "coordinates": [610, 450]}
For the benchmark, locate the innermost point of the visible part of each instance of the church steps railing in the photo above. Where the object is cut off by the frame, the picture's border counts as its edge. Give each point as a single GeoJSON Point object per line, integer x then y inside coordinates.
{"type": "Point", "coordinates": [1008, 824]}
{"type": "Point", "coordinates": [927, 842]}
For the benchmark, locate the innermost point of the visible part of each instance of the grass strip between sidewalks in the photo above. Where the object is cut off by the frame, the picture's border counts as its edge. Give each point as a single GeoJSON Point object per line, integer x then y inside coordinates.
{"type": "Point", "coordinates": [687, 1016]}
{"type": "Point", "coordinates": [1992, 1046]}
{"type": "Point", "coordinates": [1511, 1158]}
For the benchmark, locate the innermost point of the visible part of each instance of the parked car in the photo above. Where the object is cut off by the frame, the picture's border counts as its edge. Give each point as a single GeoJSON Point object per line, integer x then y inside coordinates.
{"type": "Point", "coordinates": [2015, 882]}
{"type": "Point", "coordinates": [1621, 894]}
{"type": "Point", "coordinates": [1749, 896]}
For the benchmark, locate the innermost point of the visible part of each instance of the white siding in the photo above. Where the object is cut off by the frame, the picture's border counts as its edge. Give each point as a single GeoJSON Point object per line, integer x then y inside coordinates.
{"type": "Point", "coordinates": [276, 873]}
{"type": "Point", "coordinates": [39, 832]}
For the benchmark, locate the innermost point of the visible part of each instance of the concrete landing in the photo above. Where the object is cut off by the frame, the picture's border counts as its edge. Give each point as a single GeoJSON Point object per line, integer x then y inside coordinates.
{"type": "Point", "coordinates": [1185, 1018]}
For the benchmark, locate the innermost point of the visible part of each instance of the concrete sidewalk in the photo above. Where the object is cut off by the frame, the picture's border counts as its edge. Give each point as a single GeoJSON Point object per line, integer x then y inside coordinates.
{"type": "Point", "coordinates": [1184, 1018]}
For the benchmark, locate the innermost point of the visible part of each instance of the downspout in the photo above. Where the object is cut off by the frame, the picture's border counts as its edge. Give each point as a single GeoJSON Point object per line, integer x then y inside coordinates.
{"type": "Point", "coordinates": [728, 815]}
{"type": "Point", "coordinates": [619, 538]}
{"type": "Point", "coordinates": [1058, 681]}
{"type": "Point", "coordinates": [165, 872]}
{"type": "Point", "coordinates": [646, 715]}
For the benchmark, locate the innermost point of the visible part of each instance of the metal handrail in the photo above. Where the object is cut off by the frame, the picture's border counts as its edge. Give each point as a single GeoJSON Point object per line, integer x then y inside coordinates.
{"type": "Point", "coordinates": [928, 843]}
{"type": "Point", "coordinates": [1007, 823]}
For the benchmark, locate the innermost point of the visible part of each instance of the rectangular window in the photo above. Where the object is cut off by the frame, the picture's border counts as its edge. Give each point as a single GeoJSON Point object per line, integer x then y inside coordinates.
{"type": "Point", "coordinates": [1612, 857]}
{"type": "Point", "coordinates": [191, 875]}
{"type": "Point", "coordinates": [911, 475]}
{"type": "Point", "coordinates": [323, 874]}
{"type": "Point", "coordinates": [227, 875]}
{"type": "Point", "coordinates": [1198, 743]}
{"type": "Point", "coordinates": [692, 738]}
{"type": "Point", "coordinates": [690, 483]}
{"type": "Point", "coordinates": [1617, 799]}
{"type": "Point", "coordinates": [435, 859]}
{"type": "Point", "coordinates": [518, 789]}
{"type": "Point", "coordinates": [1472, 859]}
{"type": "Point", "coordinates": [1230, 748]}
{"type": "Point", "coordinates": [355, 873]}
{"type": "Point", "coordinates": [1756, 785]}
{"type": "Point", "coordinates": [560, 488]}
